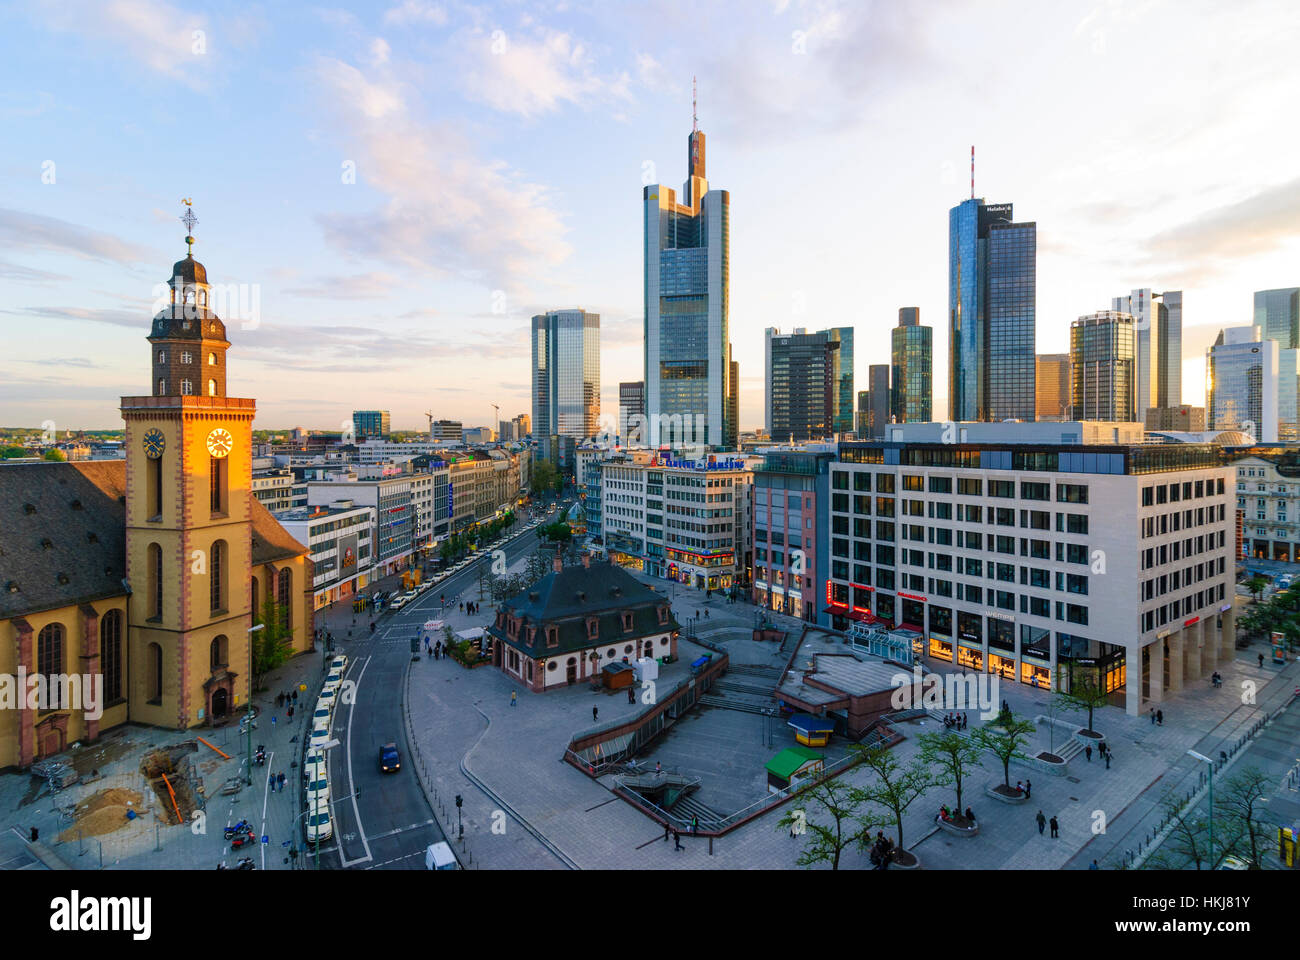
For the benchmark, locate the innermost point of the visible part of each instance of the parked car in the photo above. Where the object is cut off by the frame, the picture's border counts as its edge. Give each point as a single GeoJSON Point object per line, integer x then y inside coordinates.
{"type": "Point", "coordinates": [390, 760]}
{"type": "Point", "coordinates": [398, 602]}
{"type": "Point", "coordinates": [318, 788]}
{"type": "Point", "coordinates": [319, 828]}
{"type": "Point", "coordinates": [339, 663]}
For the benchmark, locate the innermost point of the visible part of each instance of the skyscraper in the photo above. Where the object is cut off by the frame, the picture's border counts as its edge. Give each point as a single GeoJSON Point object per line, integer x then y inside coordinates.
{"type": "Point", "coordinates": [992, 276]}
{"type": "Point", "coordinates": [911, 359]}
{"type": "Point", "coordinates": [370, 423]}
{"type": "Point", "coordinates": [1159, 331]}
{"type": "Point", "coordinates": [842, 380]}
{"type": "Point", "coordinates": [878, 404]}
{"type": "Point", "coordinates": [1052, 386]}
{"type": "Point", "coordinates": [688, 367]}
{"type": "Point", "coordinates": [1277, 314]}
{"type": "Point", "coordinates": [631, 403]}
{"type": "Point", "coordinates": [1241, 383]}
{"type": "Point", "coordinates": [1103, 355]}
{"type": "Point", "coordinates": [566, 374]}
{"type": "Point", "coordinates": [799, 384]}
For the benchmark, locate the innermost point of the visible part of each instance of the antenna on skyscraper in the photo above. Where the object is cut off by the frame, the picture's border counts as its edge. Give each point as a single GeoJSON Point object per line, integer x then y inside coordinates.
{"type": "Point", "coordinates": [695, 119]}
{"type": "Point", "coordinates": [972, 171]}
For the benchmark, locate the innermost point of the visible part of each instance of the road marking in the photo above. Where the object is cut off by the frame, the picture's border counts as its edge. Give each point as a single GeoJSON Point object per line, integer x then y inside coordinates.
{"type": "Point", "coordinates": [356, 813]}
{"type": "Point", "coordinates": [376, 866]}
{"type": "Point", "coordinates": [393, 833]}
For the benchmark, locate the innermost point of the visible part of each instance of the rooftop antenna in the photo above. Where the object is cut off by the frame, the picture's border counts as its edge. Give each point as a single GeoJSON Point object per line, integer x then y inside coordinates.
{"type": "Point", "coordinates": [695, 119]}
{"type": "Point", "coordinates": [972, 171]}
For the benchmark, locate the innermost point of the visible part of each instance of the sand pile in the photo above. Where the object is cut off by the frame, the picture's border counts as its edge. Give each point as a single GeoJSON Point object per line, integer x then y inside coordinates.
{"type": "Point", "coordinates": [103, 812]}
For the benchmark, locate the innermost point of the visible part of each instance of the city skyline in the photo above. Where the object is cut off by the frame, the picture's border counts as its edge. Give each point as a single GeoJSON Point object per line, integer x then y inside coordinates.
{"type": "Point", "coordinates": [399, 290]}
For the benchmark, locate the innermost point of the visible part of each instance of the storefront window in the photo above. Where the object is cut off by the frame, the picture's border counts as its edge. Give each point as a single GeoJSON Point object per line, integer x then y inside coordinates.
{"type": "Point", "coordinates": [1004, 667]}
{"type": "Point", "coordinates": [1036, 676]}
{"type": "Point", "coordinates": [966, 657]}
{"type": "Point", "coordinates": [940, 649]}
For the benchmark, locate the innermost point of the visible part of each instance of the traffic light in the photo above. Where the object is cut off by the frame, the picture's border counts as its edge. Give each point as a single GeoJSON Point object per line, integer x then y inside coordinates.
{"type": "Point", "coordinates": [459, 801]}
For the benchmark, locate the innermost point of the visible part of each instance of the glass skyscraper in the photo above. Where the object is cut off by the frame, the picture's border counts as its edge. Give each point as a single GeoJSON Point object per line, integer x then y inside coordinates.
{"type": "Point", "coordinates": [1158, 322]}
{"type": "Point", "coordinates": [689, 372]}
{"type": "Point", "coordinates": [911, 359]}
{"type": "Point", "coordinates": [1103, 357]}
{"type": "Point", "coordinates": [1241, 383]}
{"type": "Point", "coordinates": [992, 276]}
{"type": "Point", "coordinates": [1277, 313]}
{"type": "Point", "coordinates": [842, 379]}
{"type": "Point", "coordinates": [566, 374]}
{"type": "Point", "coordinates": [800, 384]}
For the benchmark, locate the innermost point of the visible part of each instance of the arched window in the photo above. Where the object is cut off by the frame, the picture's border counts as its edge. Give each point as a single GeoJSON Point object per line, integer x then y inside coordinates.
{"type": "Point", "coordinates": [203, 298]}
{"type": "Point", "coordinates": [216, 576]}
{"type": "Point", "coordinates": [212, 388]}
{"type": "Point", "coordinates": [212, 359]}
{"type": "Point", "coordinates": [49, 649]}
{"type": "Point", "coordinates": [162, 388]}
{"type": "Point", "coordinates": [162, 356]}
{"type": "Point", "coordinates": [217, 484]}
{"type": "Point", "coordinates": [217, 653]}
{"type": "Point", "coordinates": [110, 654]}
{"type": "Point", "coordinates": [154, 674]}
{"type": "Point", "coordinates": [284, 594]}
{"type": "Point", "coordinates": [154, 574]}
{"type": "Point", "coordinates": [189, 294]}
{"type": "Point", "coordinates": [187, 388]}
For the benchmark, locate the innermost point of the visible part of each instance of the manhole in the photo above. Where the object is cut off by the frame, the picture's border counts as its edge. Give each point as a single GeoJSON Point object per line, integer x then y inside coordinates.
{"type": "Point", "coordinates": [1073, 779]}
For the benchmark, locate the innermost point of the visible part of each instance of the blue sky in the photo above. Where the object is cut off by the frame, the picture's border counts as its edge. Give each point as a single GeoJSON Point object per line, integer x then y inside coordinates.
{"type": "Point", "coordinates": [499, 153]}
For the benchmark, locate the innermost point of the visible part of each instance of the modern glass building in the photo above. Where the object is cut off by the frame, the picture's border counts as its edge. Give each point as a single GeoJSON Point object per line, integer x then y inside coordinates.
{"type": "Point", "coordinates": [689, 372]}
{"type": "Point", "coordinates": [1052, 386]}
{"type": "Point", "coordinates": [370, 423]}
{"type": "Point", "coordinates": [1103, 355]}
{"type": "Point", "coordinates": [1277, 313]}
{"type": "Point", "coordinates": [631, 403]}
{"type": "Point", "coordinates": [911, 361]}
{"type": "Point", "coordinates": [992, 277]}
{"type": "Point", "coordinates": [842, 379]}
{"type": "Point", "coordinates": [566, 374]}
{"type": "Point", "coordinates": [878, 400]}
{"type": "Point", "coordinates": [1158, 321]}
{"type": "Point", "coordinates": [1241, 383]}
{"type": "Point", "coordinates": [800, 384]}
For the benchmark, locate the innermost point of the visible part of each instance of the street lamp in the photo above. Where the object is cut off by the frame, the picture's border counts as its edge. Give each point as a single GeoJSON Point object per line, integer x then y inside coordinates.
{"type": "Point", "coordinates": [251, 631]}
{"type": "Point", "coordinates": [1204, 759]}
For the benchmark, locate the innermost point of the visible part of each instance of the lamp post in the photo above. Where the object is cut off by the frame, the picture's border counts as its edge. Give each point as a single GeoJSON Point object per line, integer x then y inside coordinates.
{"type": "Point", "coordinates": [1204, 759]}
{"type": "Point", "coordinates": [251, 631]}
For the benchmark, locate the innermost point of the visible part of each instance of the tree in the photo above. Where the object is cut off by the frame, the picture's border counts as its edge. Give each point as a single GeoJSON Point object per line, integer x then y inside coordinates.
{"type": "Point", "coordinates": [545, 477]}
{"type": "Point", "coordinates": [9, 453]}
{"type": "Point", "coordinates": [896, 786]}
{"type": "Point", "coordinates": [558, 531]}
{"type": "Point", "coordinates": [1236, 806]}
{"type": "Point", "coordinates": [1256, 585]}
{"type": "Point", "coordinates": [827, 843]}
{"type": "Point", "coordinates": [955, 757]}
{"type": "Point", "coordinates": [55, 454]}
{"type": "Point", "coordinates": [1004, 740]}
{"type": "Point", "coordinates": [273, 644]}
{"type": "Point", "coordinates": [1086, 693]}
{"type": "Point", "coordinates": [1188, 842]}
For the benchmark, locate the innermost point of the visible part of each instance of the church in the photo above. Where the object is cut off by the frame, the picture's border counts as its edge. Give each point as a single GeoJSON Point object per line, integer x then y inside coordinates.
{"type": "Point", "coordinates": [146, 575]}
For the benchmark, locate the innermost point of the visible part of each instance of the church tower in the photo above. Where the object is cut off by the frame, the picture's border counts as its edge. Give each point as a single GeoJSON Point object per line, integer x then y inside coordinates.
{"type": "Point", "coordinates": [189, 530]}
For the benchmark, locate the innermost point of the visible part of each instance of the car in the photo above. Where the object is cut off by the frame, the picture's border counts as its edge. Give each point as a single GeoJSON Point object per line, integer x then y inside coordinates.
{"type": "Point", "coordinates": [329, 697]}
{"type": "Point", "coordinates": [390, 760]}
{"type": "Point", "coordinates": [324, 709]}
{"type": "Point", "coordinates": [339, 663]}
{"type": "Point", "coordinates": [318, 788]}
{"type": "Point", "coordinates": [333, 680]}
{"type": "Point", "coordinates": [320, 735]}
{"type": "Point", "coordinates": [398, 602]}
{"type": "Point", "coordinates": [1233, 863]}
{"type": "Point", "coordinates": [438, 856]}
{"type": "Point", "coordinates": [319, 828]}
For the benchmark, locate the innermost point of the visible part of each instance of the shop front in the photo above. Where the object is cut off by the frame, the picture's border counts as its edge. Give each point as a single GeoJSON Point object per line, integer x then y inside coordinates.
{"type": "Point", "coordinates": [970, 656]}
{"type": "Point", "coordinates": [1004, 667]}
{"type": "Point", "coordinates": [1036, 673]}
{"type": "Point", "coordinates": [627, 561]}
{"type": "Point", "coordinates": [941, 648]}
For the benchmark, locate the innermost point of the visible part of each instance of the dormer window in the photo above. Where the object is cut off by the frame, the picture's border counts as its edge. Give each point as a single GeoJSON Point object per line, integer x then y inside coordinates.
{"type": "Point", "coordinates": [663, 614]}
{"type": "Point", "coordinates": [627, 621]}
{"type": "Point", "coordinates": [593, 628]}
{"type": "Point", "coordinates": [552, 636]}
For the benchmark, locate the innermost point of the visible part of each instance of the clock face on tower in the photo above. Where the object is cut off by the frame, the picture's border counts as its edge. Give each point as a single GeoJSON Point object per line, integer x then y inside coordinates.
{"type": "Point", "coordinates": [220, 442]}
{"type": "Point", "coordinates": [154, 444]}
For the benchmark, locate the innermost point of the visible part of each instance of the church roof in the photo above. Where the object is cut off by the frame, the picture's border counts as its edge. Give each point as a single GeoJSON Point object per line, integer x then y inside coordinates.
{"type": "Point", "coordinates": [271, 541]}
{"type": "Point", "coordinates": [62, 534]}
{"type": "Point", "coordinates": [190, 270]}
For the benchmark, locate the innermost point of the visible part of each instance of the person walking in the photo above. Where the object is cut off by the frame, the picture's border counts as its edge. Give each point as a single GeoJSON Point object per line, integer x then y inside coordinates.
{"type": "Point", "coordinates": [1160, 718]}
{"type": "Point", "coordinates": [659, 767]}
{"type": "Point", "coordinates": [677, 841]}
{"type": "Point", "coordinates": [1153, 716]}
{"type": "Point", "coordinates": [595, 714]}
{"type": "Point", "coordinates": [1087, 752]}
{"type": "Point", "coordinates": [1055, 828]}
{"type": "Point", "coordinates": [514, 697]}
{"type": "Point", "coordinates": [695, 824]}
{"type": "Point", "coordinates": [1106, 757]}
{"type": "Point", "coordinates": [667, 830]}
{"type": "Point", "coordinates": [1093, 866]}
{"type": "Point", "coordinates": [1261, 661]}
{"type": "Point", "coordinates": [1042, 822]}
{"type": "Point", "coordinates": [631, 697]}
{"type": "Point", "coordinates": [1029, 789]}
{"type": "Point", "coordinates": [279, 779]}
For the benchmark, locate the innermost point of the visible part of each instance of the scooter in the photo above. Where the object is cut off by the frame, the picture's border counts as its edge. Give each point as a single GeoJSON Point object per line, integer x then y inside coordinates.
{"type": "Point", "coordinates": [240, 841]}
{"type": "Point", "coordinates": [245, 863]}
{"type": "Point", "coordinates": [242, 827]}
{"type": "Point", "coordinates": [260, 758]}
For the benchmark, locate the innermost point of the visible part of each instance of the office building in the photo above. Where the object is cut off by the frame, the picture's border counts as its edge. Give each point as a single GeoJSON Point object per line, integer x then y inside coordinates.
{"type": "Point", "coordinates": [992, 276]}
{"type": "Point", "coordinates": [370, 423]}
{"type": "Point", "coordinates": [911, 368]}
{"type": "Point", "coordinates": [566, 374]}
{"type": "Point", "coordinates": [523, 426]}
{"type": "Point", "coordinates": [1277, 314]}
{"type": "Point", "coordinates": [1180, 419]}
{"type": "Point", "coordinates": [476, 436]}
{"type": "Point", "coordinates": [631, 403]}
{"type": "Point", "coordinates": [340, 537]}
{"type": "Point", "coordinates": [1242, 383]}
{"type": "Point", "coordinates": [445, 431]}
{"type": "Point", "coordinates": [689, 372]}
{"type": "Point", "coordinates": [1102, 360]}
{"type": "Point", "coordinates": [1158, 323]}
{"type": "Point", "coordinates": [800, 384]}
{"type": "Point", "coordinates": [791, 516]}
{"type": "Point", "coordinates": [841, 379]}
{"type": "Point", "coordinates": [879, 400]}
{"type": "Point", "coordinates": [393, 534]}
{"type": "Point", "coordinates": [1040, 561]}
{"type": "Point", "coordinates": [1052, 386]}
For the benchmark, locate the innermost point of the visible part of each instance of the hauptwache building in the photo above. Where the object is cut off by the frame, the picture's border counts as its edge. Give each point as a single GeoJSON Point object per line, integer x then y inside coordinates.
{"type": "Point", "coordinates": [152, 570]}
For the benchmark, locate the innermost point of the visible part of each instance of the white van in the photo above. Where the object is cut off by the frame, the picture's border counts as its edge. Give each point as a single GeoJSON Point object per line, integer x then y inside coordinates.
{"type": "Point", "coordinates": [438, 856]}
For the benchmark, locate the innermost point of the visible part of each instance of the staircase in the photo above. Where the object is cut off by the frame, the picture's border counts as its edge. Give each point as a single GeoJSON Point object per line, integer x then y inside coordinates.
{"type": "Point", "coordinates": [687, 807]}
{"type": "Point", "coordinates": [732, 703]}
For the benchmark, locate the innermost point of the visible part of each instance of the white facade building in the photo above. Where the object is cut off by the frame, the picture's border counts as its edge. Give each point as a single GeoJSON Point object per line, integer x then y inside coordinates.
{"type": "Point", "coordinates": [340, 538]}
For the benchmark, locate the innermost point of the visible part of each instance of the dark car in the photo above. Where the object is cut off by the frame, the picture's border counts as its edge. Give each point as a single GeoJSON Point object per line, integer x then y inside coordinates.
{"type": "Point", "coordinates": [390, 761]}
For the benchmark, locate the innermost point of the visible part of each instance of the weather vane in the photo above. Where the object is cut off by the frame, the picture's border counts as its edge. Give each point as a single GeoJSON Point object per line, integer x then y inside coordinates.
{"type": "Point", "coordinates": [189, 220]}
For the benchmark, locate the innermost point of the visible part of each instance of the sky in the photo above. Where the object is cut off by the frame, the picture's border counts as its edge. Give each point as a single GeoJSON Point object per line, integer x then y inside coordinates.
{"type": "Point", "coordinates": [393, 189]}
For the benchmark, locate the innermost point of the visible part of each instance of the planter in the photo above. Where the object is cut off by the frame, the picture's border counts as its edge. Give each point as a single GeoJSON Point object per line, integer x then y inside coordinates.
{"type": "Point", "coordinates": [1048, 763]}
{"type": "Point", "coordinates": [956, 829]}
{"type": "Point", "coordinates": [908, 861]}
{"type": "Point", "coordinates": [1012, 795]}
{"type": "Point", "coordinates": [1089, 738]}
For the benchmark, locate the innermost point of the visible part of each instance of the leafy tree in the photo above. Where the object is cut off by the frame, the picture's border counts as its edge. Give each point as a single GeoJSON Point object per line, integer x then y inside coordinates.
{"type": "Point", "coordinates": [55, 454]}
{"type": "Point", "coordinates": [558, 531]}
{"type": "Point", "coordinates": [1188, 842]}
{"type": "Point", "coordinates": [1086, 692]}
{"type": "Point", "coordinates": [545, 477]}
{"type": "Point", "coordinates": [896, 787]}
{"type": "Point", "coordinates": [273, 644]}
{"type": "Point", "coordinates": [1256, 585]}
{"type": "Point", "coordinates": [9, 453]}
{"type": "Point", "coordinates": [1237, 804]}
{"type": "Point", "coordinates": [1005, 739]}
{"type": "Point", "coordinates": [843, 804]}
{"type": "Point", "coordinates": [955, 756]}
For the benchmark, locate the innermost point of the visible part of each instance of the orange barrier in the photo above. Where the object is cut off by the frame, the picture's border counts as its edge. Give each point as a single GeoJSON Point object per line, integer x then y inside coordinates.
{"type": "Point", "coordinates": [179, 818]}
{"type": "Point", "coordinates": [224, 756]}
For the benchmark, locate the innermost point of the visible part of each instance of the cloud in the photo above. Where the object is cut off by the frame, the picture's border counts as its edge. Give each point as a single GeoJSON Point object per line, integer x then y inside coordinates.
{"type": "Point", "coordinates": [20, 274]}
{"type": "Point", "coordinates": [362, 286]}
{"type": "Point", "coordinates": [448, 210]}
{"type": "Point", "coordinates": [532, 74]}
{"type": "Point", "coordinates": [1205, 245]}
{"type": "Point", "coordinates": [415, 11]}
{"type": "Point", "coordinates": [20, 230]}
{"type": "Point", "coordinates": [116, 318]}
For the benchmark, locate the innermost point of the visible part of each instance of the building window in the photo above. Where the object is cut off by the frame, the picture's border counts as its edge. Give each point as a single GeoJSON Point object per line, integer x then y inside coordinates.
{"type": "Point", "coordinates": [49, 651]}
{"type": "Point", "coordinates": [154, 674]}
{"type": "Point", "coordinates": [154, 572]}
{"type": "Point", "coordinates": [216, 484]}
{"type": "Point", "coordinates": [162, 356]}
{"type": "Point", "coordinates": [187, 388]}
{"type": "Point", "coordinates": [187, 357]}
{"type": "Point", "coordinates": [162, 388]}
{"type": "Point", "coordinates": [110, 654]}
{"type": "Point", "coordinates": [217, 653]}
{"type": "Point", "coordinates": [216, 578]}
{"type": "Point", "coordinates": [212, 359]}
{"type": "Point", "coordinates": [154, 493]}
{"type": "Point", "coordinates": [284, 597]}
{"type": "Point", "coordinates": [212, 388]}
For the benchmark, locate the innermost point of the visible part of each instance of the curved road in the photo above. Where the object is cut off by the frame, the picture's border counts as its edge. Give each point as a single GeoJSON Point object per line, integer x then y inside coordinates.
{"type": "Point", "coordinates": [390, 824]}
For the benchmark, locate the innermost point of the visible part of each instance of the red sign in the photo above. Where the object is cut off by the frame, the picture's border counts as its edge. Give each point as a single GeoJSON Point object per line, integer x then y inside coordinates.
{"type": "Point", "coordinates": [910, 597]}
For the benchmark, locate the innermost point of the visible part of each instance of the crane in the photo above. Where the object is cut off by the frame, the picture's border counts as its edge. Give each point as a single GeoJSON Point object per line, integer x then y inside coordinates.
{"type": "Point", "coordinates": [496, 420]}
{"type": "Point", "coordinates": [429, 414]}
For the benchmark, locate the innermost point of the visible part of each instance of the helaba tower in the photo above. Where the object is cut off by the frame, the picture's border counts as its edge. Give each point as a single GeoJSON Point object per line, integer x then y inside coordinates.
{"type": "Point", "coordinates": [689, 372]}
